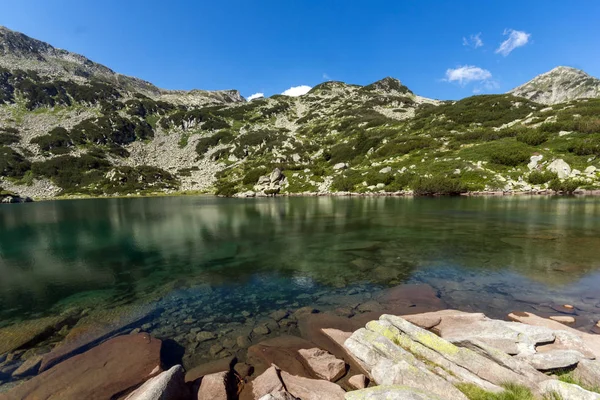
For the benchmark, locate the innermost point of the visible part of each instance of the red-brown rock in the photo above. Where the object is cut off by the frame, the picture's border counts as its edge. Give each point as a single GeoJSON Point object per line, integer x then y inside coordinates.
{"type": "Point", "coordinates": [214, 386]}
{"type": "Point", "coordinates": [281, 351]}
{"type": "Point", "coordinates": [358, 381]}
{"type": "Point", "coordinates": [323, 364]}
{"type": "Point", "coordinates": [100, 373]}
{"type": "Point", "coordinates": [311, 389]}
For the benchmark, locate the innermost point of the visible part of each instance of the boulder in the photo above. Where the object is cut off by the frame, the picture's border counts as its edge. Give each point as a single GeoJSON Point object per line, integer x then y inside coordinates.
{"type": "Point", "coordinates": [29, 367]}
{"type": "Point", "coordinates": [214, 386]}
{"type": "Point", "coordinates": [534, 160]}
{"type": "Point", "coordinates": [389, 392]}
{"type": "Point", "coordinates": [168, 385]}
{"type": "Point", "coordinates": [553, 360]}
{"type": "Point", "coordinates": [588, 372]}
{"type": "Point", "coordinates": [268, 382]}
{"type": "Point", "coordinates": [560, 167]}
{"type": "Point", "coordinates": [339, 338]}
{"type": "Point", "coordinates": [95, 328]}
{"type": "Point", "coordinates": [311, 389]}
{"type": "Point", "coordinates": [323, 364]}
{"type": "Point", "coordinates": [385, 170]}
{"type": "Point", "coordinates": [566, 391]}
{"type": "Point", "coordinates": [358, 381]}
{"type": "Point", "coordinates": [275, 176]}
{"type": "Point", "coordinates": [390, 364]}
{"type": "Point", "coordinates": [100, 373]}
{"type": "Point", "coordinates": [468, 359]}
{"type": "Point", "coordinates": [340, 166]}
{"type": "Point", "coordinates": [423, 353]}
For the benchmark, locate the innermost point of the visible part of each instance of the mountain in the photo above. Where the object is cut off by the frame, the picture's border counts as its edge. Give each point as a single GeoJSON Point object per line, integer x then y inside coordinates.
{"type": "Point", "coordinates": [72, 127]}
{"type": "Point", "coordinates": [559, 85]}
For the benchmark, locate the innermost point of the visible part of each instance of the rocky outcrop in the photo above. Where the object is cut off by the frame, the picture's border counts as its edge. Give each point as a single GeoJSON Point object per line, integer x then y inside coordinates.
{"type": "Point", "coordinates": [386, 392]}
{"type": "Point", "coordinates": [323, 364]}
{"type": "Point", "coordinates": [268, 185]}
{"type": "Point", "coordinates": [14, 199]}
{"type": "Point", "coordinates": [560, 167]}
{"type": "Point", "coordinates": [559, 85]}
{"type": "Point", "coordinates": [100, 373]}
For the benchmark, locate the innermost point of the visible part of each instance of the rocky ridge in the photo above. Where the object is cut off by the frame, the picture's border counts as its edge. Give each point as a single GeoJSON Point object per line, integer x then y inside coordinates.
{"type": "Point", "coordinates": [64, 116]}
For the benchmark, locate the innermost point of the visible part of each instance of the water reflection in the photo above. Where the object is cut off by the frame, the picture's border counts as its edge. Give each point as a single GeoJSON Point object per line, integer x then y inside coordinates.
{"type": "Point", "coordinates": [130, 249]}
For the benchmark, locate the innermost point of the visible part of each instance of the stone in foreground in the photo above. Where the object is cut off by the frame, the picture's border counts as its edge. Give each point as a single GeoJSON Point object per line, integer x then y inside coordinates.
{"type": "Point", "coordinates": [323, 364]}
{"type": "Point", "coordinates": [214, 386]}
{"type": "Point", "coordinates": [588, 372]}
{"type": "Point", "coordinates": [555, 359]}
{"type": "Point", "coordinates": [311, 389]}
{"type": "Point", "coordinates": [392, 392]}
{"type": "Point", "coordinates": [169, 385]}
{"type": "Point", "coordinates": [100, 373]}
{"type": "Point", "coordinates": [358, 381]}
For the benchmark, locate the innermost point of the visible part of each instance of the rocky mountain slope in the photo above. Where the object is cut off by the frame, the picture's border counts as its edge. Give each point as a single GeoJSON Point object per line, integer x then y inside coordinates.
{"type": "Point", "coordinates": [71, 127]}
{"type": "Point", "coordinates": [559, 85]}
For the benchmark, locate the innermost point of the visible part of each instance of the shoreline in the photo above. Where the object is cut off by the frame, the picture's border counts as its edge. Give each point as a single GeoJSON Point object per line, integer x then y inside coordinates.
{"type": "Point", "coordinates": [245, 195]}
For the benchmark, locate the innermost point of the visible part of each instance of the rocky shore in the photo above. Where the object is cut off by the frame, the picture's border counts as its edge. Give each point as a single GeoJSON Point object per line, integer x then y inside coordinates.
{"type": "Point", "coordinates": [397, 346]}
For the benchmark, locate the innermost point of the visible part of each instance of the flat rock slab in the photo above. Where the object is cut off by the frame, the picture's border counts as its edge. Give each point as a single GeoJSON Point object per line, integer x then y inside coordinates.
{"type": "Point", "coordinates": [323, 364]}
{"type": "Point", "coordinates": [283, 352]}
{"type": "Point", "coordinates": [168, 385]}
{"type": "Point", "coordinates": [563, 319]}
{"type": "Point", "coordinates": [567, 391]}
{"type": "Point", "coordinates": [93, 329]}
{"type": "Point", "coordinates": [553, 360]}
{"type": "Point", "coordinates": [391, 392]}
{"type": "Point", "coordinates": [311, 389]}
{"type": "Point", "coordinates": [100, 373]}
{"type": "Point", "coordinates": [591, 341]}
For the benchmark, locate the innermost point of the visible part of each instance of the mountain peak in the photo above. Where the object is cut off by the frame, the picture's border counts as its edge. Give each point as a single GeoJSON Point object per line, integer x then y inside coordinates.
{"type": "Point", "coordinates": [559, 85]}
{"type": "Point", "coordinates": [388, 85]}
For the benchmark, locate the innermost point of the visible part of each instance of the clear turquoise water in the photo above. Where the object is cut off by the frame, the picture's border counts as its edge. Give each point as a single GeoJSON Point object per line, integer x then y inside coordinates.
{"type": "Point", "coordinates": [488, 254]}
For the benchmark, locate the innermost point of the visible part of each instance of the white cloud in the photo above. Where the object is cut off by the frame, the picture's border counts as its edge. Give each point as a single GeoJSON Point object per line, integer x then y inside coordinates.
{"type": "Point", "coordinates": [256, 96]}
{"type": "Point", "coordinates": [515, 39]}
{"type": "Point", "coordinates": [466, 74]}
{"type": "Point", "coordinates": [296, 91]}
{"type": "Point", "coordinates": [473, 41]}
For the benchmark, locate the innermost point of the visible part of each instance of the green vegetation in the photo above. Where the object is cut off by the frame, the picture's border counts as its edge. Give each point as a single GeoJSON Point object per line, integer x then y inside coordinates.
{"type": "Point", "coordinates": [12, 164]}
{"type": "Point", "coordinates": [539, 177]}
{"type": "Point", "coordinates": [438, 185]}
{"type": "Point", "coordinates": [567, 186]}
{"type": "Point", "coordinates": [511, 392]}
{"type": "Point", "coordinates": [205, 143]}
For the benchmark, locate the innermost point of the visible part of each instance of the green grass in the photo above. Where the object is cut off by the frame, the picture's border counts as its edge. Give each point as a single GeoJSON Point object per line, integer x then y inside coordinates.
{"type": "Point", "coordinates": [512, 392]}
{"type": "Point", "coordinates": [567, 377]}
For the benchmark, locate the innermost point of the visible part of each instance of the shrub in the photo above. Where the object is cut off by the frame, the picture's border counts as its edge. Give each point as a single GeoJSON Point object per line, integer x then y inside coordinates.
{"type": "Point", "coordinates": [342, 183]}
{"type": "Point", "coordinates": [509, 154]}
{"type": "Point", "coordinates": [205, 143]}
{"type": "Point", "coordinates": [8, 138]}
{"type": "Point", "coordinates": [225, 188]}
{"type": "Point", "coordinates": [532, 137]}
{"type": "Point", "coordinates": [437, 185]}
{"type": "Point", "coordinates": [12, 164]}
{"type": "Point", "coordinates": [567, 186]}
{"type": "Point", "coordinates": [585, 147]}
{"type": "Point", "coordinates": [539, 177]}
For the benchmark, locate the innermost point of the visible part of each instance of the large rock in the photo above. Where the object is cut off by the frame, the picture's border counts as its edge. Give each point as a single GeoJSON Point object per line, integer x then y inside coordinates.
{"type": "Point", "coordinates": [94, 329]}
{"type": "Point", "coordinates": [509, 337]}
{"type": "Point", "coordinates": [323, 364]}
{"type": "Point", "coordinates": [266, 383]}
{"type": "Point", "coordinates": [279, 396]}
{"type": "Point", "coordinates": [553, 360]}
{"type": "Point", "coordinates": [214, 386]}
{"type": "Point", "coordinates": [391, 392]}
{"type": "Point", "coordinates": [592, 342]}
{"type": "Point", "coordinates": [311, 389]}
{"type": "Point", "coordinates": [339, 338]}
{"type": "Point", "coordinates": [100, 373]}
{"type": "Point", "coordinates": [29, 367]}
{"type": "Point", "coordinates": [588, 372]}
{"type": "Point", "coordinates": [458, 374]}
{"type": "Point", "coordinates": [168, 385]}
{"type": "Point", "coordinates": [275, 176]}
{"type": "Point", "coordinates": [560, 167]}
{"type": "Point", "coordinates": [389, 364]}
{"type": "Point", "coordinates": [358, 381]}
{"type": "Point", "coordinates": [566, 391]}
{"type": "Point", "coordinates": [199, 371]}
{"type": "Point", "coordinates": [468, 359]}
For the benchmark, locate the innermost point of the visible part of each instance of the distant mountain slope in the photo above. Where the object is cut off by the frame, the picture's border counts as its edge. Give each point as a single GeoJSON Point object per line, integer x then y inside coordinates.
{"type": "Point", "coordinates": [559, 85]}
{"type": "Point", "coordinates": [18, 51]}
{"type": "Point", "coordinates": [72, 127]}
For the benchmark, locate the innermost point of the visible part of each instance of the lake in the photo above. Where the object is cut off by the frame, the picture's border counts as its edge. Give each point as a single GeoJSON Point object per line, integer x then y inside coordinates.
{"type": "Point", "coordinates": [212, 262]}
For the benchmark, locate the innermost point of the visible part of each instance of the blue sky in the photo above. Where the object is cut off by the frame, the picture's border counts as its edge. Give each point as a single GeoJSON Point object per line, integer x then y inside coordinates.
{"type": "Point", "coordinates": [439, 49]}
